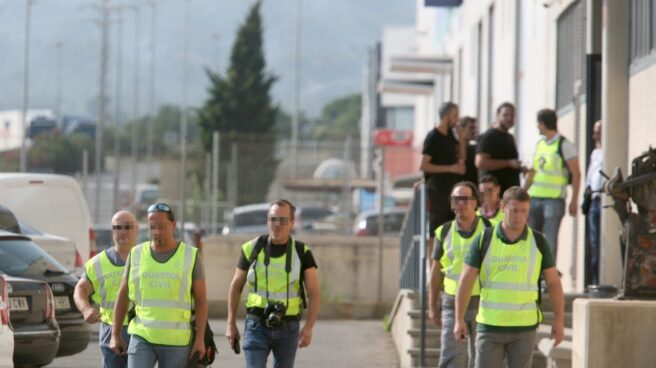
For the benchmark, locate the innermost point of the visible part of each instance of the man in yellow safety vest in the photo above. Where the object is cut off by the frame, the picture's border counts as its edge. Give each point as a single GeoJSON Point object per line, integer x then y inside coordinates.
{"type": "Point", "coordinates": [101, 280]}
{"type": "Point", "coordinates": [509, 261]}
{"type": "Point", "coordinates": [165, 280]}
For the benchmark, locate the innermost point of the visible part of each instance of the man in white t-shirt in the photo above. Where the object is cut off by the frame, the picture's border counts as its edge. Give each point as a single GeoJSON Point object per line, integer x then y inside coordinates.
{"type": "Point", "coordinates": [595, 182]}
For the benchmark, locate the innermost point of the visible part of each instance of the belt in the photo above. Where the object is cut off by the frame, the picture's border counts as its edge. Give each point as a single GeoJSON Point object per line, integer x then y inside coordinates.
{"type": "Point", "coordinates": [259, 312]}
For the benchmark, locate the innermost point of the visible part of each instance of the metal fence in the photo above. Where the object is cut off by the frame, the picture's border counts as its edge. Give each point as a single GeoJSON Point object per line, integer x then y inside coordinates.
{"type": "Point", "coordinates": [414, 259]}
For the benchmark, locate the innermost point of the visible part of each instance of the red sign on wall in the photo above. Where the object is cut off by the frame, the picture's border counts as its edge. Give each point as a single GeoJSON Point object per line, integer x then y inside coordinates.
{"type": "Point", "coordinates": [389, 137]}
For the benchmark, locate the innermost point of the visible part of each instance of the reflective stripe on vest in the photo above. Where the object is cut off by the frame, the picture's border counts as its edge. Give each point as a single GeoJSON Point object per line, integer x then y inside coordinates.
{"type": "Point", "coordinates": [509, 283]}
{"type": "Point", "coordinates": [551, 174]}
{"type": "Point", "coordinates": [162, 295]}
{"type": "Point", "coordinates": [105, 277]}
{"type": "Point", "coordinates": [455, 249]}
{"type": "Point", "coordinates": [277, 280]}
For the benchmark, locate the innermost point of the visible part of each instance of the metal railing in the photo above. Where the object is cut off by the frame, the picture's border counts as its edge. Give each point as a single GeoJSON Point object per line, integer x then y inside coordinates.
{"type": "Point", "coordinates": [413, 259]}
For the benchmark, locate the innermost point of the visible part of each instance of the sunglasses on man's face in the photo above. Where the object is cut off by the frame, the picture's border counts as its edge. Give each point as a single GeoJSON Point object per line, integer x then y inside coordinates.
{"type": "Point", "coordinates": [456, 199]}
{"type": "Point", "coordinates": [122, 227]}
{"type": "Point", "coordinates": [283, 220]}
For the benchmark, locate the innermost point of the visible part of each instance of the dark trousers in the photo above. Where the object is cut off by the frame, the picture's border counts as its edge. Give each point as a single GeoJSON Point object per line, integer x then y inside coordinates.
{"type": "Point", "coordinates": [594, 218]}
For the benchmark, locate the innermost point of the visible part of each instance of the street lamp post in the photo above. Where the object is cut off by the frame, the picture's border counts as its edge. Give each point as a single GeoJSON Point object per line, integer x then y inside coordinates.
{"type": "Point", "coordinates": [102, 100]}
{"type": "Point", "coordinates": [296, 86]}
{"type": "Point", "coordinates": [117, 112]}
{"type": "Point", "coordinates": [151, 93]}
{"type": "Point", "coordinates": [58, 98]}
{"type": "Point", "coordinates": [26, 79]}
{"type": "Point", "coordinates": [183, 122]}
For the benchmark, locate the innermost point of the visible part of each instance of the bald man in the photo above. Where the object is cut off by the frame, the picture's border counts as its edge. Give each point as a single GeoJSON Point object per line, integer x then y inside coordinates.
{"type": "Point", "coordinates": [100, 284]}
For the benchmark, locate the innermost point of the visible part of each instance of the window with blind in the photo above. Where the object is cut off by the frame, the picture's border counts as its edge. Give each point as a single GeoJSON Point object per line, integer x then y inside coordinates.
{"type": "Point", "coordinates": [570, 52]}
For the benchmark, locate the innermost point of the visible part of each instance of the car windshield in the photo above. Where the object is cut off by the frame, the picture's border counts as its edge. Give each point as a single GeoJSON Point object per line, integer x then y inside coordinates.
{"type": "Point", "coordinates": [20, 257]}
{"type": "Point", "coordinates": [250, 218]}
{"type": "Point", "coordinates": [103, 239]}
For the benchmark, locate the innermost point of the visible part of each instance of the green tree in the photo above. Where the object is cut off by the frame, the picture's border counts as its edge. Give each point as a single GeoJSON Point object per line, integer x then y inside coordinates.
{"type": "Point", "coordinates": [60, 153]}
{"type": "Point", "coordinates": [240, 108]}
{"type": "Point", "coordinates": [340, 118]}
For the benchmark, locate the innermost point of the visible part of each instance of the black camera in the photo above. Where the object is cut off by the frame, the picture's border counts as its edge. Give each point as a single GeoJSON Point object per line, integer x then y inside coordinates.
{"type": "Point", "coordinates": [274, 313]}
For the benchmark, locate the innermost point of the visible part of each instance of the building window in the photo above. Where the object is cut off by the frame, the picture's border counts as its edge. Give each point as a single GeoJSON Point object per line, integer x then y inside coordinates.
{"type": "Point", "coordinates": [400, 118]}
{"type": "Point", "coordinates": [570, 53]}
{"type": "Point", "coordinates": [643, 28]}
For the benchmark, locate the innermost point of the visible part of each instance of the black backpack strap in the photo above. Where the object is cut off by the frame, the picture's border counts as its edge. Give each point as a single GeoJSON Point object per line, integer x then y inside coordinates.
{"type": "Point", "coordinates": [562, 157]}
{"type": "Point", "coordinates": [446, 227]}
{"type": "Point", "coordinates": [486, 239]}
{"type": "Point", "coordinates": [258, 244]}
{"type": "Point", "coordinates": [300, 251]}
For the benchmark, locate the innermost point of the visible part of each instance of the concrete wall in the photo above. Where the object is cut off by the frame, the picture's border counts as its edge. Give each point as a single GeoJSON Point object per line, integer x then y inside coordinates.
{"type": "Point", "coordinates": [642, 111]}
{"type": "Point", "coordinates": [613, 333]}
{"type": "Point", "coordinates": [348, 273]}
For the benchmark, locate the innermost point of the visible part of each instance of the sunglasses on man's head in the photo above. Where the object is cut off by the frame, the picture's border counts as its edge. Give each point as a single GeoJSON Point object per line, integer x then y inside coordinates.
{"type": "Point", "coordinates": [122, 227]}
{"type": "Point", "coordinates": [161, 207]}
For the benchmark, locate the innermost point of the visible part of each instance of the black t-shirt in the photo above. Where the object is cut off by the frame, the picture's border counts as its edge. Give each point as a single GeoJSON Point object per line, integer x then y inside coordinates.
{"type": "Point", "coordinates": [307, 259]}
{"type": "Point", "coordinates": [471, 171]}
{"type": "Point", "coordinates": [500, 145]}
{"type": "Point", "coordinates": [442, 150]}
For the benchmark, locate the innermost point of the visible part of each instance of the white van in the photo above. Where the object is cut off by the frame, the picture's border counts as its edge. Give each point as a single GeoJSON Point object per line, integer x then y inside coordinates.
{"type": "Point", "coordinates": [51, 203]}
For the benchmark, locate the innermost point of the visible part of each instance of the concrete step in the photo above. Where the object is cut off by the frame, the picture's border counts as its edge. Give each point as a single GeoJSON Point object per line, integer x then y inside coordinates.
{"type": "Point", "coordinates": [432, 337]}
{"type": "Point", "coordinates": [559, 356]}
{"type": "Point", "coordinates": [544, 332]}
{"type": "Point", "coordinates": [432, 357]}
{"type": "Point", "coordinates": [549, 318]}
{"type": "Point", "coordinates": [569, 301]}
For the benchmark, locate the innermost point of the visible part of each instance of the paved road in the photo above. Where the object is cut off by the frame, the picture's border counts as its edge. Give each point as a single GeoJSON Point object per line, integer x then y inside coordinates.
{"type": "Point", "coordinates": [335, 343]}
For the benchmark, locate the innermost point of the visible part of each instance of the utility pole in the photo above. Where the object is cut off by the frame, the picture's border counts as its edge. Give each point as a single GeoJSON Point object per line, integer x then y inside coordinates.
{"type": "Point", "coordinates": [102, 100]}
{"type": "Point", "coordinates": [296, 86]}
{"type": "Point", "coordinates": [183, 122]}
{"type": "Point", "coordinates": [58, 98]}
{"type": "Point", "coordinates": [135, 99]}
{"type": "Point", "coordinates": [117, 111]}
{"type": "Point", "coordinates": [26, 83]}
{"type": "Point", "coordinates": [151, 87]}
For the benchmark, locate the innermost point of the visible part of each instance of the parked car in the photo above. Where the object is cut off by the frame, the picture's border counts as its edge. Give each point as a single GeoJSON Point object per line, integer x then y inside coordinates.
{"type": "Point", "coordinates": [6, 333]}
{"type": "Point", "coordinates": [36, 332]}
{"type": "Point", "coordinates": [337, 223]}
{"type": "Point", "coordinates": [51, 203]}
{"type": "Point", "coordinates": [306, 214]}
{"type": "Point", "coordinates": [367, 223]}
{"type": "Point", "coordinates": [248, 219]}
{"type": "Point", "coordinates": [20, 257]}
{"type": "Point", "coordinates": [60, 248]}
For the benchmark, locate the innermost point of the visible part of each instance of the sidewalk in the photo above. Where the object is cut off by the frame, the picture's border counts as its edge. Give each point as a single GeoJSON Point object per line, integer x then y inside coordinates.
{"type": "Point", "coordinates": [335, 343]}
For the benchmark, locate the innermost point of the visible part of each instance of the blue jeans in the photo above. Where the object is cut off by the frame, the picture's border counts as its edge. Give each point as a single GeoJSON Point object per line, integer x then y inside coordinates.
{"type": "Point", "coordinates": [545, 216]}
{"type": "Point", "coordinates": [112, 360]}
{"type": "Point", "coordinates": [594, 217]}
{"type": "Point", "coordinates": [260, 340]}
{"type": "Point", "coordinates": [142, 354]}
{"type": "Point", "coordinates": [108, 357]}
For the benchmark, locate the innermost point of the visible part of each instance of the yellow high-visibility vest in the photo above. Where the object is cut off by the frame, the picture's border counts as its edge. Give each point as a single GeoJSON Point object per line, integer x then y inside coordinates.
{"type": "Point", "coordinates": [105, 277]}
{"type": "Point", "coordinates": [162, 295]}
{"type": "Point", "coordinates": [455, 249]}
{"type": "Point", "coordinates": [282, 286]}
{"type": "Point", "coordinates": [551, 173]}
{"type": "Point", "coordinates": [509, 277]}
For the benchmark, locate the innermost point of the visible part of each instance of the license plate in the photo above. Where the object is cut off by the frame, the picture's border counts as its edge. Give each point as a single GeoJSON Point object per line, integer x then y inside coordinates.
{"type": "Point", "coordinates": [62, 302]}
{"type": "Point", "coordinates": [18, 304]}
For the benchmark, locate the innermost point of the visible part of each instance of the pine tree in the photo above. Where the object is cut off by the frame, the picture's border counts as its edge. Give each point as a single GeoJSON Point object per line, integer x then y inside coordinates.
{"type": "Point", "coordinates": [240, 108]}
